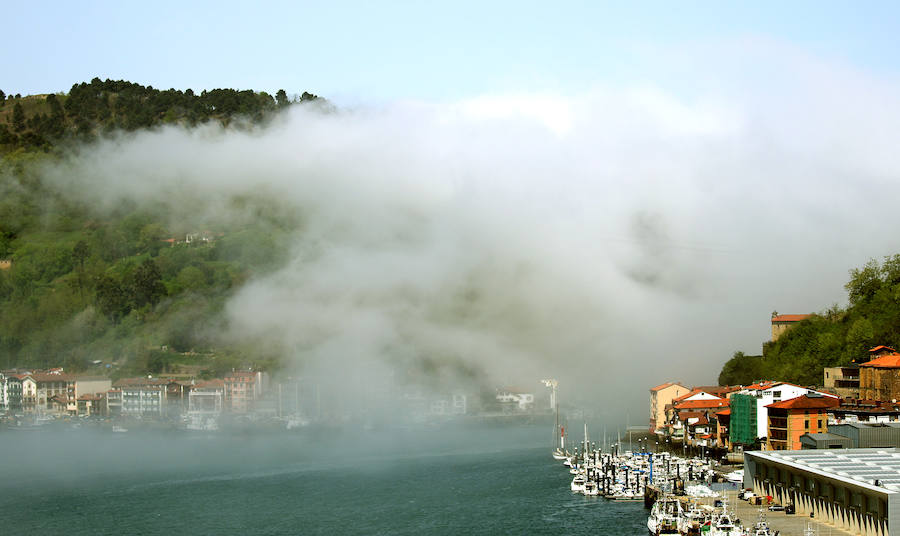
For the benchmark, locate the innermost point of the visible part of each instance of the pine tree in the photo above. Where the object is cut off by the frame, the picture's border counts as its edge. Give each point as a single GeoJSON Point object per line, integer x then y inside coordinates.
{"type": "Point", "coordinates": [18, 118]}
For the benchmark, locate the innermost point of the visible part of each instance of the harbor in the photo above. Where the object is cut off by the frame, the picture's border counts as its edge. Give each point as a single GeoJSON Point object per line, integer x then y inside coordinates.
{"type": "Point", "coordinates": [683, 495]}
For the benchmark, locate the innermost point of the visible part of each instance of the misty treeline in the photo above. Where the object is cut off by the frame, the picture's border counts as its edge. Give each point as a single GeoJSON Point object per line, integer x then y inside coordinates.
{"type": "Point", "coordinates": [834, 337]}
{"type": "Point", "coordinates": [139, 286]}
{"type": "Point", "coordinates": [101, 107]}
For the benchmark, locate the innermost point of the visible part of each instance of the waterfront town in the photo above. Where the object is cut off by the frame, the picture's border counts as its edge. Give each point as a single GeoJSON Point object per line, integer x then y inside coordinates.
{"type": "Point", "coordinates": [34, 398]}
{"type": "Point", "coordinates": [828, 453]}
{"type": "Point", "coordinates": [855, 406]}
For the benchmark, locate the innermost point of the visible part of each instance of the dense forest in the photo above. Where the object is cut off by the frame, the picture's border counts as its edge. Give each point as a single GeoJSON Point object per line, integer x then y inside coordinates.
{"type": "Point", "coordinates": [836, 336]}
{"type": "Point", "coordinates": [125, 290]}
{"type": "Point", "coordinates": [98, 107]}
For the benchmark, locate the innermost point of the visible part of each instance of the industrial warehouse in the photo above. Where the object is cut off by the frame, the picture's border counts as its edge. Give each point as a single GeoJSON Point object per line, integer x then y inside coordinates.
{"type": "Point", "coordinates": [857, 490]}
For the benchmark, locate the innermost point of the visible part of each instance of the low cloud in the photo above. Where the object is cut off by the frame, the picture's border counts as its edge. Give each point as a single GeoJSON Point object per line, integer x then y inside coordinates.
{"type": "Point", "coordinates": [613, 239]}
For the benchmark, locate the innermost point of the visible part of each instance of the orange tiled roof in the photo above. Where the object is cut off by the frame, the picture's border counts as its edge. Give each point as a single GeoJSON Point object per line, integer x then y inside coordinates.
{"type": "Point", "coordinates": [789, 318]}
{"type": "Point", "coordinates": [724, 412]}
{"type": "Point", "coordinates": [806, 402]}
{"type": "Point", "coordinates": [885, 361]}
{"type": "Point", "coordinates": [766, 384]}
{"type": "Point", "coordinates": [702, 404]}
{"type": "Point", "coordinates": [689, 394]}
{"type": "Point", "coordinates": [664, 385]}
{"type": "Point", "coordinates": [52, 377]}
{"type": "Point", "coordinates": [880, 348]}
{"type": "Point", "coordinates": [214, 383]}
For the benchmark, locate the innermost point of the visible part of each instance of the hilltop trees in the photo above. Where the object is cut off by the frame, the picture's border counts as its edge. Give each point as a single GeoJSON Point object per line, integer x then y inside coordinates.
{"type": "Point", "coordinates": [833, 337]}
{"type": "Point", "coordinates": [281, 98]}
{"type": "Point", "coordinates": [102, 106]}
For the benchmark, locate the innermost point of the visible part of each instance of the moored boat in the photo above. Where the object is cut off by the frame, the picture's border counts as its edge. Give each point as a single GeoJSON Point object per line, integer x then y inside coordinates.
{"type": "Point", "coordinates": [664, 516]}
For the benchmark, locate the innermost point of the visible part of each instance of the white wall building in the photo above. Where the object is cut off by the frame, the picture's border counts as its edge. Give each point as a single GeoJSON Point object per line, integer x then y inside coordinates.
{"type": "Point", "coordinates": [205, 404]}
{"type": "Point", "coordinates": [522, 401]}
{"type": "Point", "coordinates": [145, 400]}
{"type": "Point", "coordinates": [770, 392]}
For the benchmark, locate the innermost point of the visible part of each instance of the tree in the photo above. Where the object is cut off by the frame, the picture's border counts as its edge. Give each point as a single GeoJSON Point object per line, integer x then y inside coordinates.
{"type": "Point", "coordinates": [281, 99]}
{"type": "Point", "coordinates": [2, 98]}
{"type": "Point", "coordinates": [112, 300]}
{"type": "Point", "coordinates": [741, 370]}
{"type": "Point", "coordinates": [151, 238]}
{"type": "Point", "coordinates": [18, 117]}
{"type": "Point", "coordinates": [191, 278]}
{"type": "Point", "coordinates": [864, 283]}
{"type": "Point", "coordinates": [148, 286]}
{"type": "Point", "coordinates": [80, 253]}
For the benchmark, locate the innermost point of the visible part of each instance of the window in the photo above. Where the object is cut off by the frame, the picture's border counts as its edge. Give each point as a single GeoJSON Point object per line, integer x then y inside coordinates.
{"type": "Point", "coordinates": [806, 424]}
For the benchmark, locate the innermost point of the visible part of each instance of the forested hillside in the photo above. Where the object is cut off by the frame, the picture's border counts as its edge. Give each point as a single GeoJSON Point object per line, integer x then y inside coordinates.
{"type": "Point", "coordinates": [836, 336]}
{"type": "Point", "coordinates": [137, 288]}
{"type": "Point", "coordinates": [98, 107]}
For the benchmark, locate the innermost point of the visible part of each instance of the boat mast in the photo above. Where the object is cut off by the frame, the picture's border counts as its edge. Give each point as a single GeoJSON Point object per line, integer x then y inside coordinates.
{"type": "Point", "coordinates": [554, 403]}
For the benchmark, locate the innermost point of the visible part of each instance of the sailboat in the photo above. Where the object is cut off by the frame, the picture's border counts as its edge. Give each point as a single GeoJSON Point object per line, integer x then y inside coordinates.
{"type": "Point", "coordinates": [559, 433]}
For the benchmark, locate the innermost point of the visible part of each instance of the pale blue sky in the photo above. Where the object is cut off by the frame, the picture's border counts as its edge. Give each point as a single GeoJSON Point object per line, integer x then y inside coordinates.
{"type": "Point", "coordinates": [362, 51]}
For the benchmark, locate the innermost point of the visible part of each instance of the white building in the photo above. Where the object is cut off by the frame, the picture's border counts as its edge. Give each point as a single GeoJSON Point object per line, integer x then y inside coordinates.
{"type": "Point", "coordinates": [521, 401]}
{"type": "Point", "coordinates": [205, 404]}
{"type": "Point", "coordinates": [454, 404]}
{"type": "Point", "coordinates": [769, 392]}
{"type": "Point", "coordinates": [4, 394]}
{"type": "Point", "coordinates": [144, 400]}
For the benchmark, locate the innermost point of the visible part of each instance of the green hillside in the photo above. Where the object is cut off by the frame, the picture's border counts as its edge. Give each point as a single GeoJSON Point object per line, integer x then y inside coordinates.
{"type": "Point", "coordinates": [836, 336]}
{"type": "Point", "coordinates": [101, 107]}
{"type": "Point", "coordinates": [84, 289]}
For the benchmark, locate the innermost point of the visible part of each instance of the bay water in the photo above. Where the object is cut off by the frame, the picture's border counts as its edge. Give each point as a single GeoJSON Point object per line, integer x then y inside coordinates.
{"type": "Point", "coordinates": [429, 480]}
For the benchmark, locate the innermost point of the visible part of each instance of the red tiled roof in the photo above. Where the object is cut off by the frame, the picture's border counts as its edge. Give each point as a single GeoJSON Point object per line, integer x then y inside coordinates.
{"type": "Point", "coordinates": [789, 318]}
{"type": "Point", "coordinates": [689, 394]}
{"type": "Point", "coordinates": [702, 404]}
{"type": "Point", "coordinates": [766, 384]}
{"type": "Point", "coordinates": [724, 412]}
{"type": "Point", "coordinates": [683, 416]}
{"type": "Point", "coordinates": [885, 361]}
{"type": "Point", "coordinates": [806, 402]}
{"type": "Point", "coordinates": [664, 385]}
{"type": "Point", "coordinates": [52, 377]}
{"type": "Point", "coordinates": [880, 348]}
{"type": "Point", "coordinates": [215, 383]}
{"type": "Point", "coordinates": [717, 390]}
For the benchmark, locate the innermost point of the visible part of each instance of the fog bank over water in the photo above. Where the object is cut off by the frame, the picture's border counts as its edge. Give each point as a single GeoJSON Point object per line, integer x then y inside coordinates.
{"type": "Point", "coordinates": [614, 239]}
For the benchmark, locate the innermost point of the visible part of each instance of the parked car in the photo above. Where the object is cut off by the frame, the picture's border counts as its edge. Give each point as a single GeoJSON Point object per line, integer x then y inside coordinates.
{"type": "Point", "coordinates": [776, 508]}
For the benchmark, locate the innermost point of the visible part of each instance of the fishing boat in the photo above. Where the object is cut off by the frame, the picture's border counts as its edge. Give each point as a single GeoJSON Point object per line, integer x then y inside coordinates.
{"type": "Point", "coordinates": [591, 488]}
{"type": "Point", "coordinates": [761, 527]}
{"type": "Point", "coordinates": [724, 524]}
{"type": "Point", "coordinates": [693, 519]}
{"type": "Point", "coordinates": [578, 483]}
{"type": "Point", "coordinates": [664, 516]}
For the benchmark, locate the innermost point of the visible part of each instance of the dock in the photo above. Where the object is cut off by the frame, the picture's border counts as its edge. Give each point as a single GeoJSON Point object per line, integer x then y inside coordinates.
{"type": "Point", "coordinates": [785, 524]}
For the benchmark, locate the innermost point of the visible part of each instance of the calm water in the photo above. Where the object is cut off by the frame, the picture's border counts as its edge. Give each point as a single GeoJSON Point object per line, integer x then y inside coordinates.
{"type": "Point", "coordinates": [459, 481]}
